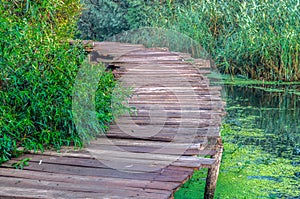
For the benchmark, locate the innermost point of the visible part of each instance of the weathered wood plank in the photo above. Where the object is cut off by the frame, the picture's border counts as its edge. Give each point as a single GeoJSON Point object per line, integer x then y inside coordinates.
{"type": "Point", "coordinates": [117, 182]}
{"type": "Point", "coordinates": [16, 192]}
{"type": "Point", "coordinates": [101, 189]}
{"type": "Point", "coordinates": [164, 176]}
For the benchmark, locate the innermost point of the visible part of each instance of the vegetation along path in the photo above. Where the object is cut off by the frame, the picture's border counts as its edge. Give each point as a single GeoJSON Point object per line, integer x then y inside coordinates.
{"type": "Point", "coordinates": [172, 129]}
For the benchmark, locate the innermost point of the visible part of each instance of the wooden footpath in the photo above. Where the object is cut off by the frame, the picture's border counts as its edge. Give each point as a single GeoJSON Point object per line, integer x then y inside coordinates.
{"type": "Point", "coordinates": [149, 153]}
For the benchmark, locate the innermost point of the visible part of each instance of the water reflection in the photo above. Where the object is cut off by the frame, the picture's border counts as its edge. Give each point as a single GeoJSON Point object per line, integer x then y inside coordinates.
{"type": "Point", "coordinates": [275, 113]}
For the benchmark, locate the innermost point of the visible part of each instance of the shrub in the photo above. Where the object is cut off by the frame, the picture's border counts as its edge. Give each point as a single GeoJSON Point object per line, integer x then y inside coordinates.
{"type": "Point", "coordinates": [38, 68]}
{"type": "Point", "coordinates": [38, 71]}
{"type": "Point", "coordinates": [102, 19]}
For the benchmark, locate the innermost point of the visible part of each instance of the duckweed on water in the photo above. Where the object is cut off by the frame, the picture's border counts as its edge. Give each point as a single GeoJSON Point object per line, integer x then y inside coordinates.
{"type": "Point", "coordinates": [261, 157]}
{"type": "Point", "coordinates": [250, 172]}
{"type": "Point", "coordinates": [247, 172]}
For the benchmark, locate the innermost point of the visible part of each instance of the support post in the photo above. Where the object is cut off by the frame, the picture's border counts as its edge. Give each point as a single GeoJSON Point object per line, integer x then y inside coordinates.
{"type": "Point", "coordinates": [213, 172]}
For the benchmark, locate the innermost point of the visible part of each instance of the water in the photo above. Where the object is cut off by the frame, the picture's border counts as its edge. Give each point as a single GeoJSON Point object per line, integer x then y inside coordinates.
{"type": "Point", "coordinates": [277, 114]}
{"type": "Point", "coordinates": [266, 119]}
{"type": "Point", "coordinates": [261, 137]}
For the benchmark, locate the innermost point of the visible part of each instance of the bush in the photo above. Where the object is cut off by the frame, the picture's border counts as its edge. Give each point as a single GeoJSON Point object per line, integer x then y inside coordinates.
{"type": "Point", "coordinates": [38, 71]}
{"type": "Point", "coordinates": [102, 19]}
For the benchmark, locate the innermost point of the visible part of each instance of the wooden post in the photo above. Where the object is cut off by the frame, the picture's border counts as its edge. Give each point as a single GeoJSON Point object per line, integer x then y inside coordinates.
{"type": "Point", "coordinates": [213, 172]}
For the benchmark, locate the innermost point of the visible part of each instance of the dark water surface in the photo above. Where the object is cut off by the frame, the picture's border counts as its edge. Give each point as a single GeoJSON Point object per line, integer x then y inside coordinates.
{"type": "Point", "coordinates": [276, 113]}
{"type": "Point", "coordinates": [261, 137]}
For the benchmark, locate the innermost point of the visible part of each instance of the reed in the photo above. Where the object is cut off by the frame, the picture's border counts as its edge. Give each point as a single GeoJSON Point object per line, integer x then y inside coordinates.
{"type": "Point", "coordinates": [258, 39]}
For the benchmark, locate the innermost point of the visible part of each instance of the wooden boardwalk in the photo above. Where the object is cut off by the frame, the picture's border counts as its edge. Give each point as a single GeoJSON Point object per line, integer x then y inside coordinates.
{"type": "Point", "coordinates": [150, 153]}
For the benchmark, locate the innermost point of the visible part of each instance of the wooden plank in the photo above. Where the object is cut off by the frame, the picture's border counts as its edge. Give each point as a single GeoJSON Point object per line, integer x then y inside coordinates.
{"type": "Point", "coordinates": [148, 115]}
{"type": "Point", "coordinates": [14, 192]}
{"type": "Point", "coordinates": [142, 143]}
{"type": "Point", "coordinates": [164, 176]}
{"type": "Point", "coordinates": [162, 70]}
{"type": "Point", "coordinates": [151, 124]}
{"type": "Point", "coordinates": [193, 137]}
{"type": "Point", "coordinates": [170, 95]}
{"type": "Point", "coordinates": [177, 107]}
{"type": "Point", "coordinates": [103, 190]}
{"type": "Point", "coordinates": [161, 75]}
{"type": "Point", "coordinates": [177, 87]}
{"type": "Point", "coordinates": [155, 150]}
{"type": "Point", "coordinates": [118, 182]}
{"type": "Point", "coordinates": [133, 159]}
{"type": "Point", "coordinates": [181, 93]}
{"type": "Point", "coordinates": [174, 112]}
{"type": "Point", "coordinates": [167, 130]}
{"type": "Point", "coordinates": [162, 65]}
{"type": "Point", "coordinates": [148, 149]}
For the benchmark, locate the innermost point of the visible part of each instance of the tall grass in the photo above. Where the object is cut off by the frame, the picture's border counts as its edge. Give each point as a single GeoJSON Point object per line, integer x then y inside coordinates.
{"type": "Point", "coordinates": [259, 39]}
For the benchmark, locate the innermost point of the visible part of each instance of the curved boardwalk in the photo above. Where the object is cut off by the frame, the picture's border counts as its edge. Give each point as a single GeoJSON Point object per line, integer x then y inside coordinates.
{"type": "Point", "coordinates": [146, 154]}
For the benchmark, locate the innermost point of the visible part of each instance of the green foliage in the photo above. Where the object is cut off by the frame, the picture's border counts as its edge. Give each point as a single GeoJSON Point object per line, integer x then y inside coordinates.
{"type": "Point", "coordinates": [256, 39]}
{"type": "Point", "coordinates": [6, 147]}
{"type": "Point", "coordinates": [102, 19]}
{"type": "Point", "coordinates": [38, 68]}
{"type": "Point", "coordinates": [22, 163]}
{"type": "Point", "coordinates": [96, 100]}
{"type": "Point", "coordinates": [138, 11]}
{"type": "Point", "coordinates": [38, 71]}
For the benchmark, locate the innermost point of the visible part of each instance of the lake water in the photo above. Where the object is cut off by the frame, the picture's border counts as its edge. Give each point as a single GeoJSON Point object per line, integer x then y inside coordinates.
{"type": "Point", "coordinates": [277, 114]}
{"type": "Point", "coordinates": [265, 134]}
{"type": "Point", "coordinates": [261, 136]}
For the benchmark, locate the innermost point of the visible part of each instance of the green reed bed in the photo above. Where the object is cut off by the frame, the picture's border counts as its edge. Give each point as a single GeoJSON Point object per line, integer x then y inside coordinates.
{"type": "Point", "coordinates": [259, 39]}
